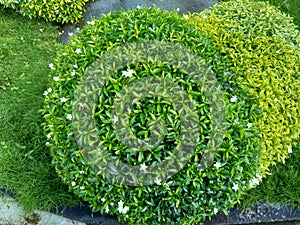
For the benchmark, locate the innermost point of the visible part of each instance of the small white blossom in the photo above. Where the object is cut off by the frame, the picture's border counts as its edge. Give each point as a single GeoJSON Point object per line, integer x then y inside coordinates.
{"type": "Point", "coordinates": [49, 90]}
{"type": "Point", "coordinates": [128, 73]}
{"type": "Point", "coordinates": [129, 110]}
{"type": "Point", "coordinates": [64, 54]}
{"type": "Point", "coordinates": [78, 28]}
{"type": "Point", "coordinates": [56, 79]}
{"type": "Point", "coordinates": [70, 34]}
{"type": "Point", "coordinates": [45, 93]}
{"type": "Point", "coordinates": [138, 6]}
{"type": "Point", "coordinates": [69, 117]}
{"type": "Point", "coordinates": [47, 143]}
{"type": "Point", "coordinates": [249, 125]}
{"type": "Point", "coordinates": [178, 9]}
{"type": "Point", "coordinates": [276, 100]}
{"type": "Point", "coordinates": [143, 167]}
{"type": "Point", "coordinates": [185, 16]}
{"type": "Point", "coordinates": [218, 165]}
{"type": "Point", "coordinates": [235, 187]}
{"type": "Point", "coordinates": [205, 17]}
{"type": "Point", "coordinates": [73, 183]}
{"type": "Point", "coordinates": [91, 22]}
{"type": "Point", "coordinates": [48, 136]}
{"type": "Point", "coordinates": [115, 119]}
{"type": "Point", "coordinates": [41, 30]}
{"type": "Point", "coordinates": [278, 51]}
{"type": "Point", "coordinates": [82, 188]}
{"type": "Point", "coordinates": [61, 33]}
{"type": "Point", "coordinates": [48, 106]}
{"type": "Point", "coordinates": [290, 149]}
{"type": "Point", "coordinates": [51, 66]}
{"type": "Point", "coordinates": [233, 99]}
{"type": "Point", "coordinates": [107, 209]}
{"type": "Point", "coordinates": [63, 99]}
{"type": "Point", "coordinates": [103, 199]}
{"type": "Point", "coordinates": [81, 172]}
{"type": "Point", "coordinates": [157, 181]}
{"type": "Point", "coordinates": [255, 181]}
{"type": "Point", "coordinates": [75, 66]}
{"type": "Point", "coordinates": [121, 207]}
{"type": "Point", "coordinates": [78, 51]}
{"type": "Point", "coordinates": [73, 73]}
{"type": "Point", "coordinates": [216, 211]}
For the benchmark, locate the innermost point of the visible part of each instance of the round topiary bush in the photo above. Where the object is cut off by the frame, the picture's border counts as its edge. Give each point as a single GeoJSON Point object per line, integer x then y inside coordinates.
{"type": "Point", "coordinates": [261, 48]}
{"type": "Point", "coordinates": [191, 194]}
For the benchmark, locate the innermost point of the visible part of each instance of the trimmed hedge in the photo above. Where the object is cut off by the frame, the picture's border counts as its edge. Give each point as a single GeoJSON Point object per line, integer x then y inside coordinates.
{"type": "Point", "coordinates": [188, 196]}
{"type": "Point", "coordinates": [60, 11]}
{"type": "Point", "coordinates": [261, 46]}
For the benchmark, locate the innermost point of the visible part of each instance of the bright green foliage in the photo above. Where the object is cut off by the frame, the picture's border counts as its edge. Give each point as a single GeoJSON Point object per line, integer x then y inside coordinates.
{"type": "Point", "coordinates": [261, 46]}
{"type": "Point", "coordinates": [61, 11]}
{"type": "Point", "coordinates": [188, 196]}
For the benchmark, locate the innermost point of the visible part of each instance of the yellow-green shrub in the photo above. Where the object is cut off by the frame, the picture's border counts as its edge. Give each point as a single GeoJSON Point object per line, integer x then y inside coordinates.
{"type": "Point", "coordinates": [260, 45]}
{"type": "Point", "coordinates": [61, 11]}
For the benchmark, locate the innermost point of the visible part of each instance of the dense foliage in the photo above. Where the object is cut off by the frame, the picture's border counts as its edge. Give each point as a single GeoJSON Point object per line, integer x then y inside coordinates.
{"type": "Point", "coordinates": [191, 194]}
{"type": "Point", "coordinates": [65, 11]}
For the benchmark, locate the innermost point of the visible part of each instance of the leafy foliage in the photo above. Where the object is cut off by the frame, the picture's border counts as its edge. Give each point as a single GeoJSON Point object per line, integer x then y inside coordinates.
{"type": "Point", "coordinates": [65, 11]}
{"type": "Point", "coordinates": [188, 196]}
{"type": "Point", "coordinates": [261, 46]}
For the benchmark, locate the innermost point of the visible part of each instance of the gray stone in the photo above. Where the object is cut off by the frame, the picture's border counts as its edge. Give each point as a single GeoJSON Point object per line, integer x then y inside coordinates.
{"type": "Point", "coordinates": [99, 7]}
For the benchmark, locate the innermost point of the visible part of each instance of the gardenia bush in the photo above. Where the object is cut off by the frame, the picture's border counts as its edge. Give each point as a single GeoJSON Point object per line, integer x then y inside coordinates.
{"type": "Point", "coordinates": [191, 194]}
{"type": "Point", "coordinates": [65, 11]}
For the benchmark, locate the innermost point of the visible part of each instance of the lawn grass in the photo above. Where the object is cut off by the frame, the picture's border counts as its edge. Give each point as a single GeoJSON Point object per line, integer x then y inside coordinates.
{"type": "Point", "coordinates": [26, 49]}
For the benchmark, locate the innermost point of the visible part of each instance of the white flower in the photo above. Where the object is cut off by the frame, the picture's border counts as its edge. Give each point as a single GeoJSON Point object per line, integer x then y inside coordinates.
{"type": "Point", "coordinates": [73, 73]}
{"type": "Point", "coordinates": [45, 93]}
{"type": "Point", "coordinates": [81, 172]}
{"type": "Point", "coordinates": [63, 99]}
{"type": "Point", "coordinates": [205, 17]}
{"type": "Point", "coordinates": [91, 22]}
{"type": "Point", "coordinates": [82, 188]}
{"type": "Point", "coordinates": [233, 99]}
{"type": "Point", "coordinates": [276, 100]}
{"type": "Point", "coordinates": [61, 33]}
{"type": "Point", "coordinates": [56, 79]}
{"type": "Point", "coordinates": [47, 143]}
{"type": "Point", "coordinates": [128, 73]}
{"type": "Point", "coordinates": [78, 28]}
{"type": "Point", "coordinates": [115, 119]}
{"type": "Point", "coordinates": [138, 6]}
{"type": "Point", "coordinates": [235, 187]}
{"type": "Point", "coordinates": [49, 90]}
{"type": "Point", "coordinates": [143, 167]}
{"type": "Point", "coordinates": [216, 211]}
{"type": "Point", "coordinates": [75, 66]}
{"type": "Point", "coordinates": [185, 16]}
{"type": "Point", "coordinates": [70, 34]}
{"type": "Point", "coordinates": [73, 183]}
{"type": "Point", "coordinates": [64, 54]}
{"type": "Point", "coordinates": [78, 51]}
{"type": "Point", "coordinates": [290, 149]}
{"type": "Point", "coordinates": [129, 110]}
{"type": "Point", "coordinates": [41, 30]}
{"type": "Point", "coordinates": [278, 51]}
{"type": "Point", "coordinates": [121, 207]}
{"type": "Point", "coordinates": [51, 66]}
{"type": "Point", "coordinates": [249, 125]}
{"type": "Point", "coordinates": [48, 136]}
{"type": "Point", "coordinates": [107, 209]}
{"type": "Point", "coordinates": [218, 165]}
{"type": "Point", "coordinates": [254, 182]}
{"type": "Point", "coordinates": [178, 9]}
{"type": "Point", "coordinates": [157, 181]}
{"type": "Point", "coordinates": [69, 117]}
{"type": "Point", "coordinates": [103, 199]}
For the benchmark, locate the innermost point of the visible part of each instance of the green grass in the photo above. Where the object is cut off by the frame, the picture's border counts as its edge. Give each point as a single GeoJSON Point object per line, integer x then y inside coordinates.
{"type": "Point", "coordinates": [26, 49]}
{"type": "Point", "coordinates": [25, 163]}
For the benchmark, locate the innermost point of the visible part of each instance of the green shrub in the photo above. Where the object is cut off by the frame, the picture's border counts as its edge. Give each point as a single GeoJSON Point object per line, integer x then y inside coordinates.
{"type": "Point", "coordinates": [65, 11]}
{"type": "Point", "coordinates": [191, 194]}
{"type": "Point", "coordinates": [261, 46]}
